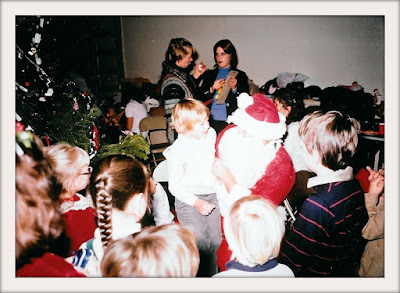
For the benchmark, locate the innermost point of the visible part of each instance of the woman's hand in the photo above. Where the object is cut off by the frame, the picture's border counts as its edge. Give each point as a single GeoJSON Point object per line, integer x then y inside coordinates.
{"type": "Point", "coordinates": [199, 69]}
{"type": "Point", "coordinates": [217, 85]}
{"type": "Point", "coordinates": [203, 207]}
{"type": "Point", "coordinates": [232, 82]}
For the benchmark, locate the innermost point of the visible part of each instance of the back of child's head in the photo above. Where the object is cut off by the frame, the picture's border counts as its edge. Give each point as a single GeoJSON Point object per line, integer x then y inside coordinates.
{"type": "Point", "coordinates": [67, 161]}
{"type": "Point", "coordinates": [38, 220]}
{"type": "Point", "coordinates": [333, 135]}
{"type": "Point", "coordinates": [115, 180]}
{"type": "Point", "coordinates": [289, 98]}
{"type": "Point", "coordinates": [254, 230]}
{"type": "Point", "coordinates": [187, 112]}
{"type": "Point", "coordinates": [157, 251]}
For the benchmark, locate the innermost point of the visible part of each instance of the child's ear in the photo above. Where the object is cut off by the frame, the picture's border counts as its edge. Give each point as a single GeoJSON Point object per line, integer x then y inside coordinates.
{"type": "Point", "coordinates": [136, 205]}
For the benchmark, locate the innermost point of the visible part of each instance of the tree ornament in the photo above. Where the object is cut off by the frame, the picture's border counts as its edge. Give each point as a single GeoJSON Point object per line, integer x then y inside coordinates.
{"type": "Point", "coordinates": [49, 92]}
{"type": "Point", "coordinates": [38, 60]}
{"type": "Point", "coordinates": [32, 51]}
{"type": "Point", "coordinates": [19, 127]}
{"type": "Point", "coordinates": [76, 106]}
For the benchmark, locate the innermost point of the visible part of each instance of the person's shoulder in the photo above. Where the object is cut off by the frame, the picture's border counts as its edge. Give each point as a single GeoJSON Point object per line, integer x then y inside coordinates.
{"type": "Point", "coordinates": [241, 72]}
{"type": "Point", "coordinates": [211, 71]}
{"type": "Point", "coordinates": [232, 273]}
{"type": "Point", "coordinates": [129, 107]}
{"type": "Point", "coordinates": [294, 126]}
{"type": "Point", "coordinates": [176, 149]}
{"type": "Point", "coordinates": [212, 134]}
{"type": "Point", "coordinates": [130, 103]}
{"type": "Point", "coordinates": [283, 270]}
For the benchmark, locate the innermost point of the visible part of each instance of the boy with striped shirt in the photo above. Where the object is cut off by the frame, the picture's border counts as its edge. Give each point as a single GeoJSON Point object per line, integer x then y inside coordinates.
{"type": "Point", "coordinates": [325, 240]}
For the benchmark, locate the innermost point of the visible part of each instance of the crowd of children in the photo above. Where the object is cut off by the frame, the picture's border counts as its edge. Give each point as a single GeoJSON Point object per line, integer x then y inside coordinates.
{"type": "Point", "coordinates": [228, 191]}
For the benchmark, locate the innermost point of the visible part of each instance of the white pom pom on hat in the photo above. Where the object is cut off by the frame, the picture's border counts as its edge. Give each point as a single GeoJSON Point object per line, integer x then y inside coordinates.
{"type": "Point", "coordinates": [258, 116]}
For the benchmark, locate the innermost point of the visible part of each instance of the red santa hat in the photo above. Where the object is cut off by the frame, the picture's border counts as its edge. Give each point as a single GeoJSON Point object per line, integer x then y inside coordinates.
{"type": "Point", "coordinates": [258, 116]}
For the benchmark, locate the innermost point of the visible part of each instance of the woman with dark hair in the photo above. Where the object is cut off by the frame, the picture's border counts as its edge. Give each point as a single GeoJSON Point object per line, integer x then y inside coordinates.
{"type": "Point", "coordinates": [226, 59]}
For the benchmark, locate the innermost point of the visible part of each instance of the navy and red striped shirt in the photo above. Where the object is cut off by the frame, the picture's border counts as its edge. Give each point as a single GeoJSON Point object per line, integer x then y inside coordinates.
{"type": "Point", "coordinates": [325, 240]}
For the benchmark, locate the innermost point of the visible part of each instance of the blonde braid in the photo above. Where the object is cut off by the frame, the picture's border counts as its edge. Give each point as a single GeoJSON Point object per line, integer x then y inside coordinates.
{"type": "Point", "coordinates": [104, 210]}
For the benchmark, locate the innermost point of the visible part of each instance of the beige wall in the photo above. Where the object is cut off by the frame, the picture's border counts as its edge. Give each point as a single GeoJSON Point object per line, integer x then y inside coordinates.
{"type": "Point", "coordinates": [331, 50]}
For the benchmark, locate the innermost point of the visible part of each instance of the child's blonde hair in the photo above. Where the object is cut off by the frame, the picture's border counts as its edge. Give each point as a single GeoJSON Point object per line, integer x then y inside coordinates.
{"type": "Point", "coordinates": [114, 181]}
{"type": "Point", "coordinates": [67, 160]}
{"type": "Point", "coordinates": [333, 135]}
{"type": "Point", "coordinates": [187, 112]}
{"type": "Point", "coordinates": [254, 230]}
{"type": "Point", "coordinates": [157, 251]}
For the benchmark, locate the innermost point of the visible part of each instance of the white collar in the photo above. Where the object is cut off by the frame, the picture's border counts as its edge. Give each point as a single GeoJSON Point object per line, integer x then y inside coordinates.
{"type": "Point", "coordinates": [334, 176]}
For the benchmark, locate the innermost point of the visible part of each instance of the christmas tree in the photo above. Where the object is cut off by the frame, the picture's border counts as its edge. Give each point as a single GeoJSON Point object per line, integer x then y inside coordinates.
{"type": "Point", "coordinates": [50, 102]}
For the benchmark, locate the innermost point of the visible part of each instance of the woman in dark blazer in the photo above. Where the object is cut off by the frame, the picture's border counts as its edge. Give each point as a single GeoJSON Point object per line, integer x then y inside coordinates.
{"type": "Point", "coordinates": [226, 59]}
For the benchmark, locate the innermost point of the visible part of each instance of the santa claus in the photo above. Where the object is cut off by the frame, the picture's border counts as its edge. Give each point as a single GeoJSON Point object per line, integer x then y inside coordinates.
{"type": "Point", "coordinates": [250, 158]}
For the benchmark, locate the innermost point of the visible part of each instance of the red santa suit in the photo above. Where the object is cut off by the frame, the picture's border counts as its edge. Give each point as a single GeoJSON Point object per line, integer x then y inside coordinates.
{"type": "Point", "coordinates": [252, 151]}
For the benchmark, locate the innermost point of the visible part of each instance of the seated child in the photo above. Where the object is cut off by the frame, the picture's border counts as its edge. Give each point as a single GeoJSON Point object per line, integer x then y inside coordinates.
{"type": "Point", "coordinates": [325, 239]}
{"type": "Point", "coordinates": [119, 187]}
{"type": "Point", "coordinates": [160, 212]}
{"type": "Point", "coordinates": [114, 122]}
{"type": "Point", "coordinates": [291, 105]}
{"type": "Point", "coordinates": [72, 170]}
{"type": "Point", "coordinates": [158, 251]}
{"type": "Point", "coordinates": [254, 230]}
{"type": "Point", "coordinates": [372, 261]}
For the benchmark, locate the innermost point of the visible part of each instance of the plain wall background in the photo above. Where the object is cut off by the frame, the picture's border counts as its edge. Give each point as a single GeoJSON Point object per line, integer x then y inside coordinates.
{"type": "Point", "coordinates": [331, 50]}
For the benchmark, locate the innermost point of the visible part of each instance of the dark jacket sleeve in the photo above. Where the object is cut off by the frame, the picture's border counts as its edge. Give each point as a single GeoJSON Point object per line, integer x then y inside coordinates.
{"type": "Point", "coordinates": [242, 87]}
{"type": "Point", "coordinates": [231, 102]}
{"type": "Point", "coordinates": [208, 79]}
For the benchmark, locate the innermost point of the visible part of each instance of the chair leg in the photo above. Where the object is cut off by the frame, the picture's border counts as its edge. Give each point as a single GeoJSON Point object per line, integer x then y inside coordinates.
{"type": "Point", "coordinates": [154, 160]}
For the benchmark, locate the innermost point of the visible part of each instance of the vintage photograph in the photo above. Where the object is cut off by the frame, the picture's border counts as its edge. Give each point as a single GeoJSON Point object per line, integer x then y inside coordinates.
{"type": "Point", "coordinates": [215, 150]}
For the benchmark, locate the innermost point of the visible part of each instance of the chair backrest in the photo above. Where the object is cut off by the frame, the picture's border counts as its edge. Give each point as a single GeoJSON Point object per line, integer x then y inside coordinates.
{"type": "Point", "coordinates": [156, 128]}
{"type": "Point", "coordinates": [160, 173]}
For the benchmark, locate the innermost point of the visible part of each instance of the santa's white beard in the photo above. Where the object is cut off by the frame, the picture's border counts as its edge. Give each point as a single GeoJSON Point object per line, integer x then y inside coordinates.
{"type": "Point", "coordinates": [246, 157]}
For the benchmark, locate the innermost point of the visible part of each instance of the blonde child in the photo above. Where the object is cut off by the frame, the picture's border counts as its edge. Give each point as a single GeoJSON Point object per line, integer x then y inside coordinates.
{"type": "Point", "coordinates": [191, 181]}
{"type": "Point", "coordinates": [119, 186]}
{"type": "Point", "coordinates": [254, 230]}
{"type": "Point", "coordinates": [325, 240]}
{"type": "Point", "coordinates": [157, 251]}
{"type": "Point", "coordinates": [72, 170]}
{"type": "Point", "coordinates": [372, 261]}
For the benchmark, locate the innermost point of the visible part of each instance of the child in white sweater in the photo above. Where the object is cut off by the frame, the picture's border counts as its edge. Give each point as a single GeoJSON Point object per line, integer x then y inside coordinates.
{"type": "Point", "coordinates": [191, 181]}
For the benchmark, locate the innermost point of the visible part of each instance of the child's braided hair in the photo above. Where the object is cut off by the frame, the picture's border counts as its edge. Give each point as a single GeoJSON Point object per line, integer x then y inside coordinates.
{"type": "Point", "coordinates": [114, 181]}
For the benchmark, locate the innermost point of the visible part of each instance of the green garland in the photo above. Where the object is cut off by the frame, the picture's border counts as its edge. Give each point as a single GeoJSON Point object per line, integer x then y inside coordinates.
{"type": "Point", "coordinates": [131, 145]}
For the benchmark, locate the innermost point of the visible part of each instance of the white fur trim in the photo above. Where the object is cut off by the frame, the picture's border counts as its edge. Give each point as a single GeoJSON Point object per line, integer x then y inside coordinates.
{"type": "Point", "coordinates": [333, 176]}
{"type": "Point", "coordinates": [244, 100]}
{"type": "Point", "coordinates": [261, 130]}
{"type": "Point", "coordinates": [282, 212]}
{"type": "Point", "coordinates": [82, 204]}
{"type": "Point", "coordinates": [247, 158]}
